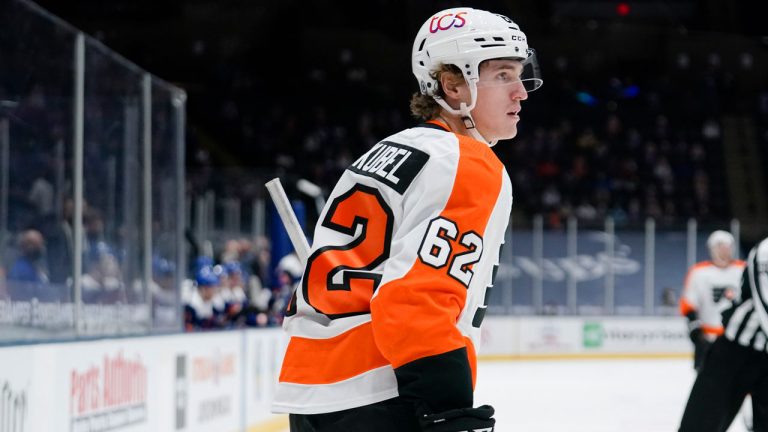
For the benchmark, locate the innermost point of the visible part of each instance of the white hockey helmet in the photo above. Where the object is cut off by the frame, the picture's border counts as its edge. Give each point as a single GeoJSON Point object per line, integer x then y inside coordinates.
{"type": "Point", "coordinates": [718, 237]}
{"type": "Point", "coordinates": [465, 37]}
{"type": "Point", "coordinates": [291, 265]}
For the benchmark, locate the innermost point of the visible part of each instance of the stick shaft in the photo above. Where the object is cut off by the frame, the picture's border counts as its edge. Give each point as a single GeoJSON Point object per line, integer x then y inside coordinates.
{"type": "Point", "coordinates": [288, 217]}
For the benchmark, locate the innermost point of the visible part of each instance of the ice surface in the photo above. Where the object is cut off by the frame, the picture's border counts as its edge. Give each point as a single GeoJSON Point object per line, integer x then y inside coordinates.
{"type": "Point", "coordinates": [646, 395]}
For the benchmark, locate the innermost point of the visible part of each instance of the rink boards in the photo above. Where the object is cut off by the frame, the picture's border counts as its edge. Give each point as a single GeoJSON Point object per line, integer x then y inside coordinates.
{"type": "Point", "coordinates": [188, 382]}
{"type": "Point", "coordinates": [224, 381]}
{"type": "Point", "coordinates": [510, 338]}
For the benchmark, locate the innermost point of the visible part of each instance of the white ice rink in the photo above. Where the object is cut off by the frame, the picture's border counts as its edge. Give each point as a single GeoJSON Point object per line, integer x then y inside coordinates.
{"type": "Point", "coordinates": [646, 395]}
{"type": "Point", "coordinates": [588, 395]}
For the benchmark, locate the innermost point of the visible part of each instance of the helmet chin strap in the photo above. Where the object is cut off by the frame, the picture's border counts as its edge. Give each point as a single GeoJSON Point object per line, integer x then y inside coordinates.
{"type": "Point", "coordinates": [465, 113]}
{"type": "Point", "coordinates": [469, 123]}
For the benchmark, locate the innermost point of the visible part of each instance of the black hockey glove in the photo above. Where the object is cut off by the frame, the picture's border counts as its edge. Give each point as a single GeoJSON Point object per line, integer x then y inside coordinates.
{"type": "Point", "coordinates": [478, 419]}
{"type": "Point", "coordinates": [697, 336]}
{"type": "Point", "coordinates": [701, 346]}
{"type": "Point", "coordinates": [699, 339]}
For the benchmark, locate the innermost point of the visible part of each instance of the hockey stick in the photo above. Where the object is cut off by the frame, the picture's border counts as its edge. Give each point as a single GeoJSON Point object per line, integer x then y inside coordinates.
{"type": "Point", "coordinates": [288, 217]}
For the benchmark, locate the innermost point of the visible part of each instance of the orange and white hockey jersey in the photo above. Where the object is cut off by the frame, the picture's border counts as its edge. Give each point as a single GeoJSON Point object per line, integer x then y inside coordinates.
{"type": "Point", "coordinates": [400, 269]}
{"type": "Point", "coordinates": [708, 291]}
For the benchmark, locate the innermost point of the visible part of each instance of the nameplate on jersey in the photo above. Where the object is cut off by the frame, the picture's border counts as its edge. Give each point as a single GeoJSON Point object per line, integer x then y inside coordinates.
{"type": "Point", "coordinates": [393, 164]}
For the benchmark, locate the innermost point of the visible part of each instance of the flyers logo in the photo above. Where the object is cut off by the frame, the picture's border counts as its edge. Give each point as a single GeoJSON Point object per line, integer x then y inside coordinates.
{"type": "Point", "coordinates": [444, 22]}
{"type": "Point", "coordinates": [718, 293]}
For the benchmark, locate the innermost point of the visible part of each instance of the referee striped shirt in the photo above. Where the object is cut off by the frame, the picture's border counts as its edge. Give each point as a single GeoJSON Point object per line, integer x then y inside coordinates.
{"type": "Point", "coordinates": [746, 321]}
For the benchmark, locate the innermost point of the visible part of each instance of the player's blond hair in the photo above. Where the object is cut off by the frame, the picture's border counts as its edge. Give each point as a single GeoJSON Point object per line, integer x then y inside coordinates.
{"type": "Point", "coordinates": [424, 107]}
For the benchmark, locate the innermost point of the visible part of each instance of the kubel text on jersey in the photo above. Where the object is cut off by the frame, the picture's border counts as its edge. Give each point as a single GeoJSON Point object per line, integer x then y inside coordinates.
{"type": "Point", "coordinates": [393, 164]}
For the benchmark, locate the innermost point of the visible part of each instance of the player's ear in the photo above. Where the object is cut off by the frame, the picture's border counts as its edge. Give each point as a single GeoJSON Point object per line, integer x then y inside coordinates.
{"type": "Point", "coordinates": [451, 84]}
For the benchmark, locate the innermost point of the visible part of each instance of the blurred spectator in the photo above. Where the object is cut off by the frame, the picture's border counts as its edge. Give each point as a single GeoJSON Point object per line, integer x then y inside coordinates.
{"type": "Point", "coordinates": [41, 194]}
{"type": "Point", "coordinates": [28, 276]}
{"type": "Point", "coordinates": [60, 242]}
{"type": "Point", "coordinates": [289, 270]}
{"type": "Point", "coordinates": [29, 265]}
{"type": "Point", "coordinates": [163, 291]}
{"type": "Point", "coordinates": [260, 266]}
{"type": "Point", "coordinates": [231, 251]}
{"type": "Point", "coordinates": [201, 262]}
{"type": "Point", "coordinates": [233, 294]}
{"type": "Point", "coordinates": [3, 285]}
{"type": "Point", "coordinates": [102, 281]}
{"type": "Point", "coordinates": [201, 310]}
{"type": "Point", "coordinates": [93, 227]}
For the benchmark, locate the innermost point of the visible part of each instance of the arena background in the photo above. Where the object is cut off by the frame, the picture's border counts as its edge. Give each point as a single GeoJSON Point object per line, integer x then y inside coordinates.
{"type": "Point", "coordinates": [136, 137]}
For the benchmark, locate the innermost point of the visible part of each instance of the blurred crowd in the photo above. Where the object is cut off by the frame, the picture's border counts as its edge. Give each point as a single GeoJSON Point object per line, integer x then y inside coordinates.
{"type": "Point", "coordinates": [604, 136]}
{"type": "Point", "coordinates": [236, 286]}
{"type": "Point", "coordinates": [593, 142]}
{"type": "Point", "coordinates": [239, 287]}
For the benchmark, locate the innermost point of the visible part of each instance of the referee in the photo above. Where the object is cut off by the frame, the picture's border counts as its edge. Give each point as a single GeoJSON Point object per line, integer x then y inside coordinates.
{"type": "Point", "coordinates": [737, 363]}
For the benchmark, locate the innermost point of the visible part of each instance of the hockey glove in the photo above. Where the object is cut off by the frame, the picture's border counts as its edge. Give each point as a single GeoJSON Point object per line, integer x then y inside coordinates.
{"type": "Point", "coordinates": [701, 346]}
{"type": "Point", "coordinates": [697, 336]}
{"type": "Point", "coordinates": [478, 419]}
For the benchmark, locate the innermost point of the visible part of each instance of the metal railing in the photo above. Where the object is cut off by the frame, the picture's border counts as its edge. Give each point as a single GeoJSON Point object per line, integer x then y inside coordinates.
{"type": "Point", "coordinates": [575, 270]}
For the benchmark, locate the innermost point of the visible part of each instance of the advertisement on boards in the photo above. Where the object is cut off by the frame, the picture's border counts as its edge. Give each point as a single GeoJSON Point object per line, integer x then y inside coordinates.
{"type": "Point", "coordinates": [207, 384]}
{"type": "Point", "coordinates": [498, 336]}
{"type": "Point", "coordinates": [17, 390]}
{"type": "Point", "coordinates": [644, 335]}
{"type": "Point", "coordinates": [549, 335]}
{"type": "Point", "coordinates": [569, 336]}
{"type": "Point", "coordinates": [263, 358]}
{"type": "Point", "coordinates": [107, 388]}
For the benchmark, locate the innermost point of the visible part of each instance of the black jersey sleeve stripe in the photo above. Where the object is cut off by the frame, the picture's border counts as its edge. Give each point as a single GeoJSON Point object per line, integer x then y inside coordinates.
{"type": "Point", "coordinates": [437, 383]}
{"type": "Point", "coordinates": [736, 319]}
{"type": "Point", "coordinates": [748, 331]}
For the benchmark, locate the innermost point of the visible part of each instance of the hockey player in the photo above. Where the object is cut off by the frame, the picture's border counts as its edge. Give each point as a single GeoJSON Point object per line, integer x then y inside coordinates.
{"type": "Point", "coordinates": [737, 363]}
{"type": "Point", "coordinates": [385, 321]}
{"type": "Point", "coordinates": [710, 287]}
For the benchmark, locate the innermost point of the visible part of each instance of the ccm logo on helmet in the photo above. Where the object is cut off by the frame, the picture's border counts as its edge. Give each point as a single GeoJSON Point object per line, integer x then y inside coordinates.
{"type": "Point", "coordinates": [518, 38]}
{"type": "Point", "coordinates": [444, 22]}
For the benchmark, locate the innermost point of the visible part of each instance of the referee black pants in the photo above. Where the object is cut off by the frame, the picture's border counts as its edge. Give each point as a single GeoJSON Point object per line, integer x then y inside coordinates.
{"type": "Point", "coordinates": [730, 372]}
{"type": "Point", "coordinates": [393, 415]}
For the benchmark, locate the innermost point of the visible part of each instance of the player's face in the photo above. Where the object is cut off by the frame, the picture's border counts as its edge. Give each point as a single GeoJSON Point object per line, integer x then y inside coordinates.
{"type": "Point", "coordinates": [207, 292]}
{"type": "Point", "coordinates": [722, 252]}
{"type": "Point", "coordinates": [499, 97]}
